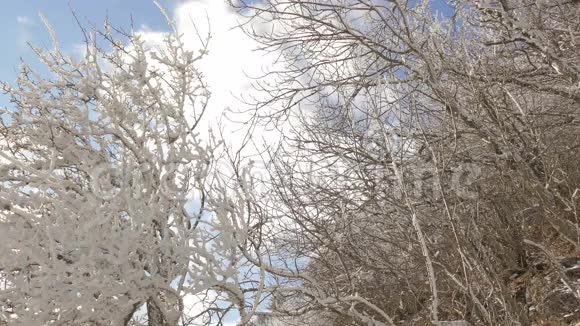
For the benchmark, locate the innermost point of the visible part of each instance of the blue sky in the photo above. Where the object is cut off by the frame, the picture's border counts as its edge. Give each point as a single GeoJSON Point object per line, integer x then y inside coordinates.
{"type": "Point", "coordinates": [226, 69]}
{"type": "Point", "coordinates": [19, 23]}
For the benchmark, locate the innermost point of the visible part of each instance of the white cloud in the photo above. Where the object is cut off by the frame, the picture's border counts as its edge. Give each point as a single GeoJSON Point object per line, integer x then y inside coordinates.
{"type": "Point", "coordinates": [24, 33]}
{"type": "Point", "coordinates": [228, 68]}
{"type": "Point", "coordinates": [24, 20]}
{"type": "Point", "coordinates": [231, 62]}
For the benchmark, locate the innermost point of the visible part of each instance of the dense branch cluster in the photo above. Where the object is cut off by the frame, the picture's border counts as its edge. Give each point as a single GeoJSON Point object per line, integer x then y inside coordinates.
{"type": "Point", "coordinates": [99, 163]}
{"type": "Point", "coordinates": [430, 175]}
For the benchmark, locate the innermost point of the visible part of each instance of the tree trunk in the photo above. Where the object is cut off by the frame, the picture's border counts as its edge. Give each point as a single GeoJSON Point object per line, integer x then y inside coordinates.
{"type": "Point", "coordinates": [155, 313]}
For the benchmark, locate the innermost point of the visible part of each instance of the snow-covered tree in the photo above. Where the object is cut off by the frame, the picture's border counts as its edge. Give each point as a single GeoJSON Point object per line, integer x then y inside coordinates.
{"type": "Point", "coordinates": [431, 161]}
{"type": "Point", "coordinates": [105, 211]}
